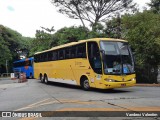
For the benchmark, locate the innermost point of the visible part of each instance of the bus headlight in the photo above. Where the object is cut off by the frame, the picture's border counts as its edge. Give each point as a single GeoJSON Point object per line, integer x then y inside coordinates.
{"type": "Point", "coordinates": [133, 79]}
{"type": "Point", "coordinates": [110, 80]}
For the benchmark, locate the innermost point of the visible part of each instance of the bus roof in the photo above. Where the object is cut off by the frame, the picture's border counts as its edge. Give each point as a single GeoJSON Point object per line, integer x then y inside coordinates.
{"type": "Point", "coordinates": [81, 41]}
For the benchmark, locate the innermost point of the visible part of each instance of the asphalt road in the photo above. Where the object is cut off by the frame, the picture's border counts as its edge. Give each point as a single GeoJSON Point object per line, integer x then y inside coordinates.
{"type": "Point", "coordinates": [35, 96]}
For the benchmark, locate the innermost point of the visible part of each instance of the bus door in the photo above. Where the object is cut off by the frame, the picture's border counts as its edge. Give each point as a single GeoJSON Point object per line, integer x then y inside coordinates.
{"type": "Point", "coordinates": [95, 62]}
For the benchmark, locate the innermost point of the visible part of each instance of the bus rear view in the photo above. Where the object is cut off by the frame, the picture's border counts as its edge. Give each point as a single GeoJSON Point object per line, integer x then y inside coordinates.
{"type": "Point", "coordinates": [24, 66]}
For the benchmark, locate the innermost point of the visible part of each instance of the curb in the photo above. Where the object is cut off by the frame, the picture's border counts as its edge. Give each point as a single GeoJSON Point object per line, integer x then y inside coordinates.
{"type": "Point", "coordinates": [148, 85]}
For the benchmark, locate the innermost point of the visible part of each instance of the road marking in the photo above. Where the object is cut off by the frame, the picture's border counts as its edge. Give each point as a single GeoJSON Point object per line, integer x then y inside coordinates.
{"type": "Point", "coordinates": [80, 102]}
{"type": "Point", "coordinates": [51, 101]}
{"type": "Point", "coordinates": [33, 105]}
{"type": "Point", "coordinates": [39, 102]}
{"type": "Point", "coordinates": [112, 109]}
{"type": "Point", "coordinates": [145, 108]}
{"type": "Point", "coordinates": [92, 109]}
{"type": "Point", "coordinates": [27, 118]}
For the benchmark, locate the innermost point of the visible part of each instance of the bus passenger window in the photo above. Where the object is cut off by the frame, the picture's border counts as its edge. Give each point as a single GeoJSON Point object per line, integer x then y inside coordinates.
{"type": "Point", "coordinates": [61, 55]}
{"type": "Point", "coordinates": [55, 55]}
{"type": "Point", "coordinates": [45, 57]}
{"type": "Point", "coordinates": [81, 51]}
{"type": "Point", "coordinates": [67, 53]}
{"type": "Point", "coordinates": [50, 56]}
{"type": "Point", "coordinates": [73, 52]}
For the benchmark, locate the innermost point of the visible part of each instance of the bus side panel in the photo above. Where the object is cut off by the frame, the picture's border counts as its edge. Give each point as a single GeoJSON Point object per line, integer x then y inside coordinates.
{"type": "Point", "coordinates": [82, 67]}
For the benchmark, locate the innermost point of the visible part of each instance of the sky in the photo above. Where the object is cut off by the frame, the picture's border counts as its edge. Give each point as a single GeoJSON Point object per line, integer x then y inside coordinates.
{"type": "Point", "coordinates": [27, 16]}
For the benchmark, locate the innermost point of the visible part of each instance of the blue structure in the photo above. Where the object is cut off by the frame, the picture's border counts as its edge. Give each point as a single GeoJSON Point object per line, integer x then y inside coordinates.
{"type": "Point", "coordinates": [24, 66]}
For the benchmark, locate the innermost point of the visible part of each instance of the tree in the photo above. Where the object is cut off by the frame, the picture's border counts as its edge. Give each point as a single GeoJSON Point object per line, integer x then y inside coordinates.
{"type": "Point", "coordinates": [113, 28]}
{"type": "Point", "coordinates": [5, 53]}
{"type": "Point", "coordinates": [12, 40]}
{"type": "Point", "coordinates": [42, 41]}
{"type": "Point", "coordinates": [155, 6]}
{"type": "Point", "coordinates": [71, 34]}
{"type": "Point", "coordinates": [97, 31]}
{"type": "Point", "coordinates": [10, 43]}
{"type": "Point", "coordinates": [143, 33]}
{"type": "Point", "coordinates": [93, 11]}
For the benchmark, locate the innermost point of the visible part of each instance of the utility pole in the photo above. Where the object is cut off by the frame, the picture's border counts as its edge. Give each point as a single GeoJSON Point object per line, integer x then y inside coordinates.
{"type": "Point", "coordinates": [7, 67]}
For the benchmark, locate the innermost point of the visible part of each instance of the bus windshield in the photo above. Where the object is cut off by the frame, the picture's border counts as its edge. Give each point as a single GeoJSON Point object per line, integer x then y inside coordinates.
{"type": "Point", "coordinates": [117, 57]}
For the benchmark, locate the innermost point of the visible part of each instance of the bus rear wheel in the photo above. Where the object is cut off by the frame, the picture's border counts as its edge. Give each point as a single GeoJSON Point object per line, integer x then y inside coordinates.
{"type": "Point", "coordinates": [46, 79]}
{"type": "Point", "coordinates": [85, 84]}
{"type": "Point", "coordinates": [41, 78]}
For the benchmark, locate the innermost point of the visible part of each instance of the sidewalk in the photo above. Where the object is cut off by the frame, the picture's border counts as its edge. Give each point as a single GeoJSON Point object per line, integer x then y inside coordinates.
{"type": "Point", "coordinates": [147, 85]}
{"type": "Point", "coordinates": [8, 81]}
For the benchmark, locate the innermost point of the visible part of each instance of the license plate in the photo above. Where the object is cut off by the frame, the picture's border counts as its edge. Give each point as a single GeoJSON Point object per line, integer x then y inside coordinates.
{"type": "Point", "coordinates": [123, 85]}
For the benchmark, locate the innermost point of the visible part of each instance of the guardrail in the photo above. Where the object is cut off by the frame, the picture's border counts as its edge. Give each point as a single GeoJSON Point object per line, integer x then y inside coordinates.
{"type": "Point", "coordinates": [5, 75]}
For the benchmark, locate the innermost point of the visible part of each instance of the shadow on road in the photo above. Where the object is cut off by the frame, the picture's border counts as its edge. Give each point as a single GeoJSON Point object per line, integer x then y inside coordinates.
{"type": "Point", "coordinates": [63, 85]}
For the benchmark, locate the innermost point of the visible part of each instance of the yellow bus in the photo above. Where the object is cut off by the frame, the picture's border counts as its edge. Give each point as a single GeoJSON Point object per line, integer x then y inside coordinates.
{"type": "Point", "coordinates": [103, 63]}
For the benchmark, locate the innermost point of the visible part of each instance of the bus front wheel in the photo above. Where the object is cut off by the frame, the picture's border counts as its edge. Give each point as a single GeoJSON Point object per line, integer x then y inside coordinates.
{"type": "Point", "coordinates": [85, 84]}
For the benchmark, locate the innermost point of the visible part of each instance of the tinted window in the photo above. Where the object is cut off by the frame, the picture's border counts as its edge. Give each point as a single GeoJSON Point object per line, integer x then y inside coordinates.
{"type": "Point", "coordinates": [50, 55]}
{"type": "Point", "coordinates": [23, 63]}
{"type": "Point", "coordinates": [67, 53]}
{"type": "Point", "coordinates": [81, 51]}
{"type": "Point", "coordinates": [94, 57]}
{"type": "Point", "coordinates": [61, 55]}
{"type": "Point", "coordinates": [55, 55]}
{"type": "Point", "coordinates": [73, 52]}
{"type": "Point", "coordinates": [77, 51]}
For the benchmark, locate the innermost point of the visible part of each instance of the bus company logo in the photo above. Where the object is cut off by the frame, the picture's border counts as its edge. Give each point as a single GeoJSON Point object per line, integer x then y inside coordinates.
{"type": "Point", "coordinates": [6, 114]}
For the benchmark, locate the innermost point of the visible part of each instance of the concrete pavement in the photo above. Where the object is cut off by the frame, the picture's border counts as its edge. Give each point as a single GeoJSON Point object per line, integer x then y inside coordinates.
{"type": "Point", "coordinates": [9, 81]}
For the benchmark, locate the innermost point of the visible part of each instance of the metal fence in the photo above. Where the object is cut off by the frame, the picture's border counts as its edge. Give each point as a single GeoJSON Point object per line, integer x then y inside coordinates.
{"type": "Point", "coordinates": [148, 74]}
{"type": "Point", "coordinates": [5, 75]}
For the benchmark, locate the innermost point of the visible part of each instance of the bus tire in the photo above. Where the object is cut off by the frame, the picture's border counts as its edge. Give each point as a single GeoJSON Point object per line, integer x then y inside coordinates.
{"type": "Point", "coordinates": [45, 79]}
{"type": "Point", "coordinates": [85, 84]}
{"type": "Point", "coordinates": [41, 78]}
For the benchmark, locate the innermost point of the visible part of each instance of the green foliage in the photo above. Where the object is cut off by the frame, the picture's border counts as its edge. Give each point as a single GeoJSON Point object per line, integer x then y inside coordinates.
{"type": "Point", "coordinates": [10, 43]}
{"type": "Point", "coordinates": [155, 6]}
{"type": "Point", "coordinates": [71, 34]}
{"type": "Point", "coordinates": [113, 28]}
{"type": "Point", "coordinates": [5, 53]}
{"type": "Point", "coordinates": [97, 31]}
{"type": "Point", "coordinates": [41, 42]}
{"type": "Point", "coordinates": [143, 32]}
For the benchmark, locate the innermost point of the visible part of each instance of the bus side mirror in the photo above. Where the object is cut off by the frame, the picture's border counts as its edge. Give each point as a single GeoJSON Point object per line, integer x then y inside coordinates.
{"type": "Point", "coordinates": [102, 51]}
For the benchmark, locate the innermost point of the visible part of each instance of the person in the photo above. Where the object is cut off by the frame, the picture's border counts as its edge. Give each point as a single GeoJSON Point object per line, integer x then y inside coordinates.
{"type": "Point", "coordinates": [116, 66]}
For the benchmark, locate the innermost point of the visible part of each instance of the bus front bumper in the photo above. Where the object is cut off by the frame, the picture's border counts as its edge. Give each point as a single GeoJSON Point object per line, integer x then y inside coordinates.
{"type": "Point", "coordinates": [111, 85]}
